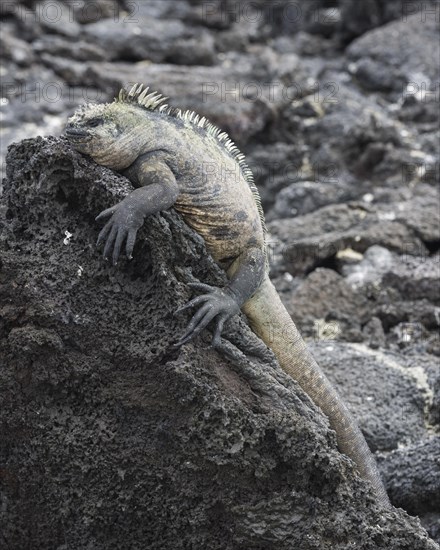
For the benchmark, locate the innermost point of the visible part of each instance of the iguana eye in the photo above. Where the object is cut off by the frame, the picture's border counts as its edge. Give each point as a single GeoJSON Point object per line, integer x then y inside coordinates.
{"type": "Point", "coordinates": [93, 122]}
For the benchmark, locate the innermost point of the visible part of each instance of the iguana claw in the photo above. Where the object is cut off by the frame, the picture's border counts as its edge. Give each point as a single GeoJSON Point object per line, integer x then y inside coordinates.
{"type": "Point", "coordinates": [217, 305]}
{"type": "Point", "coordinates": [123, 225]}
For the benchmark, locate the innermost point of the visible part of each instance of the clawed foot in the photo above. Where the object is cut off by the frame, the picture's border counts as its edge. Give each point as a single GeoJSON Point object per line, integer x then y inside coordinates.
{"type": "Point", "coordinates": [216, 305]}
{"type": "Point", "coordinates": [126, 219]}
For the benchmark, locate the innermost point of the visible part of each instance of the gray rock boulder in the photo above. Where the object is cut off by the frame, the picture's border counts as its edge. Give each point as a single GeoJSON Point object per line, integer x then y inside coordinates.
{"type": "Point", "coordinates": [383, 393]}
{"type": "Point", "coordinates": [403, 52]}
{"type": "Point", "coordinates": [111, 437]}
{"type": "Point", "coordinates": [413, 476]}
{"type": "Point", "coordinates": [303, 243]}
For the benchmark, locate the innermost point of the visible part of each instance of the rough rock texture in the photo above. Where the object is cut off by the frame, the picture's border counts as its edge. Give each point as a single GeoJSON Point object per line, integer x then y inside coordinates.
{"type": "Point", "coordinates": [335, 104]}
{"type": "Point", "coordinates": [306, 242]}
{"type": "Point", "coordinates": [335, 303]}
{"type": "Point", "coordinates": [407, 53]}
{"type": "Point", "coordinates": [113, 439]}
{"type": "Point", "coordinates": [386, 397]}
{"type": "Point", "coordinates": [413, 474]}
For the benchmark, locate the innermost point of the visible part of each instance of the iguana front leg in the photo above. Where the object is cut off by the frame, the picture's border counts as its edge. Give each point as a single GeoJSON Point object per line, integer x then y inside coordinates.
{"type": "Point", "coordinates": [158, 191]}
{"type": "Point", "coordinates": [246, 274]}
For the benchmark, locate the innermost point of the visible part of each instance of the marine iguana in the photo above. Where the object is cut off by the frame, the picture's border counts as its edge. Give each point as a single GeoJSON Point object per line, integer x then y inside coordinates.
{"type": "Point", "coordinates": [178, 159]}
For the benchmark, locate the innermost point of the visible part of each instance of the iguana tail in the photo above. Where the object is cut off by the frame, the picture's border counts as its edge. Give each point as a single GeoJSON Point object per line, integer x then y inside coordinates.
{"type": "Point", "coordinates": [271, 321]}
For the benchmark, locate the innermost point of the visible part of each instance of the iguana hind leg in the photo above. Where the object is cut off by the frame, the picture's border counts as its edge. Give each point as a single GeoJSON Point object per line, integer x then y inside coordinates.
{"type": "Point", "coordinates": [219, 305]}
{"type": "Point", "coordinates": [216, 304]}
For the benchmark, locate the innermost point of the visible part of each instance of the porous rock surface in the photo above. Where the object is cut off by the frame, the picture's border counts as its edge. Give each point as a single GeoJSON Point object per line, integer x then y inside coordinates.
{"type": "Point", "coordinates": [111, 438]}
{"type": "Point", "coordinates": [335, 105]}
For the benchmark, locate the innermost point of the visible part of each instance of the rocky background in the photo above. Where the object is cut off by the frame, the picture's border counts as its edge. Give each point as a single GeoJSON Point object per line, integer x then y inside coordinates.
{"type": "Point", "coordinates": [112, 440]}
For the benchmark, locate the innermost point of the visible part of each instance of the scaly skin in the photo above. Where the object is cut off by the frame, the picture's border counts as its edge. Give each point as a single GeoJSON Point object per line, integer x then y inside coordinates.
{"type": "Point", "coordinates": [177, 160]}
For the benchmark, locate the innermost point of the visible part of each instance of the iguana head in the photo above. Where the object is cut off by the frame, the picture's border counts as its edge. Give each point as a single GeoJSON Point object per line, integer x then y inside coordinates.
{"type": "Point", "coordinates": [114, 134]}
{"type": "Point", "coordinates": [107, 132]}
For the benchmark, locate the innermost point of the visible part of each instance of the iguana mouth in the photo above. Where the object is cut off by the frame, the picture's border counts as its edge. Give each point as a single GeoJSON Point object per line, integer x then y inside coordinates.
{"type": "Point", "coordinates": [77, 134]}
